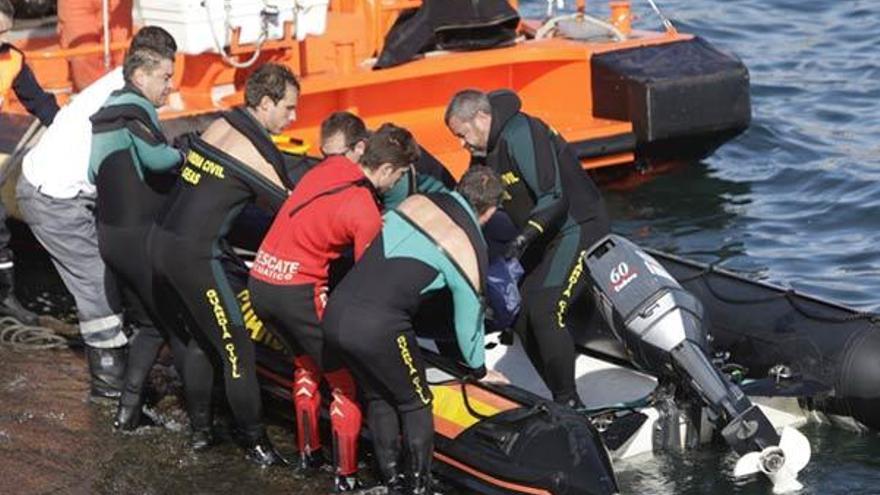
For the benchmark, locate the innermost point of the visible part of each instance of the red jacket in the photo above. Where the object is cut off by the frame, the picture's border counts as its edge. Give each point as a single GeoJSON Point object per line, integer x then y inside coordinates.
{"type": "Point", "coordinates": [332, 208]}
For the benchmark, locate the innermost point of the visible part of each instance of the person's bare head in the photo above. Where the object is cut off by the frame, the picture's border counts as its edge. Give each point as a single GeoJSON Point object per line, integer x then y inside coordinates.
{"type": "Point", "coordinates": [271, 94]}
{"type": "Point", "coordinates": [390, 152]}
{"type": "Point", "coordinates": [469, 118]}
{"type": "Point", "coordinates": [344, 133]}
{"type": "Point", "coordinates": [150, 72]}
{"type": "Point", "coordinates": [482, 188]}
{"type": "Point", "coordinates": [154, 38]}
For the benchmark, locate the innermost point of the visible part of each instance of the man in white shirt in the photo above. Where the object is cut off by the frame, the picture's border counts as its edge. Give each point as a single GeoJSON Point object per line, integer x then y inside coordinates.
{"type": "Point", "coordinates": [58, 202]}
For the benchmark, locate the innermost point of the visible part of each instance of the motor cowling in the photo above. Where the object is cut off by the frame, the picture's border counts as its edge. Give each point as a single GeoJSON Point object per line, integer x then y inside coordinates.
{"type": "Point", "coordinates": [646, 308]}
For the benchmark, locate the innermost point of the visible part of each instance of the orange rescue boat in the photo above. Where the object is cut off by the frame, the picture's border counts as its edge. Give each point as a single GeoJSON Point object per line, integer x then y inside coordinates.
{"type": "Point", "coordinates": [620, 96]}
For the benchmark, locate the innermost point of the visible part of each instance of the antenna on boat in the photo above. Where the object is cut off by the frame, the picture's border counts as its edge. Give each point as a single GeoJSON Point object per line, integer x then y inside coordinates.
{"type": "Point", "coordinates": [105, 12]}
{"type": "Point", "coordinates": [666, 23]}
{"type": "Point", "coordinates": [553, 6]}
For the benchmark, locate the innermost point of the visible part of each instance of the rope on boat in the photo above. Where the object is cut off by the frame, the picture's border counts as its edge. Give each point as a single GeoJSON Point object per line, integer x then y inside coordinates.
{"type": "Point", "coordinates": [789, 295]}
{"type": "Point", "coordinates": [550, 25]}
{"type": "Point", "coordinates": [267, 12]}
{"type": "Point", "coordinates": [665, 20]}
{"type": "Point", "coordinates": [21, 337]}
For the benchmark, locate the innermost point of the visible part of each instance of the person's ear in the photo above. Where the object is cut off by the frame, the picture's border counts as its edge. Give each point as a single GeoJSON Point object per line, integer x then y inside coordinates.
{"type": "Point", "coordinates": [265, 103]}
{"type": "Point", "coordinates": [360, 147]}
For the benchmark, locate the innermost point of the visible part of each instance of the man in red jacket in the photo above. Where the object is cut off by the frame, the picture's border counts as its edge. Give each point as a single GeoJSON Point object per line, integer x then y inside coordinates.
{"type": "Point", "coordinates": [334, 208]}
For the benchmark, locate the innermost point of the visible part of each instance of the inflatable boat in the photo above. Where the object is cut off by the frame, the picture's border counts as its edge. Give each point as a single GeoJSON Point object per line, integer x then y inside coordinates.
{"type": "Point", "coordinates": [796, 357]}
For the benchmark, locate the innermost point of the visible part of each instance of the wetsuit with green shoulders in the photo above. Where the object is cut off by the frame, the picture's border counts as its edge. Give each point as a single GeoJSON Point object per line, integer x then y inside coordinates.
{"type": "Point", "coordinates": [429, 243]}
{"type": "Point", "coordinates": [231, 165]}
{"type": "Point", "coordinates": [131, 165]}
{"type": "Point", "coordinates": [559, 212]}
{"type": "Point", "coordinates": [427, 175]}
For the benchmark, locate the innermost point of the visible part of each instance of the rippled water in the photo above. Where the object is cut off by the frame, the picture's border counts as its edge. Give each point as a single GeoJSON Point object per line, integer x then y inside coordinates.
{"type": "Point", "coordinates": [795, 200]}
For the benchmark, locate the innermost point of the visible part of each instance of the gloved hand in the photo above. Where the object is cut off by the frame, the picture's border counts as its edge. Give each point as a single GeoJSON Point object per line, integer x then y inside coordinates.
{"type": "Point", "coordinates": [520, 243]}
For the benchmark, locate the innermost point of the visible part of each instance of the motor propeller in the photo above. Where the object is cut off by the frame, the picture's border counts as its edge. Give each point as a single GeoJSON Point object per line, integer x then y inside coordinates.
{"type": "Point", "coordinates": [781, 463]}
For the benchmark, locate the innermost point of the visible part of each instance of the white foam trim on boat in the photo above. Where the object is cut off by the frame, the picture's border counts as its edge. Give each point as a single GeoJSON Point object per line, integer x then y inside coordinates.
{"type": "Point", "coordinates": [599, 382]}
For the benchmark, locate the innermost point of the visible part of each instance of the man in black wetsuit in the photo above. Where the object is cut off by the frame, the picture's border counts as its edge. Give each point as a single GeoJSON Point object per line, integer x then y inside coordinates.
{"type": "Point", "coordinates": [558, 210]}
{"type": "Point", "coordinates": [232, 164]}
{"type": "Point", "coordinates": [130, 165]}
{"type": "Point", "coordinates": [429, 243]}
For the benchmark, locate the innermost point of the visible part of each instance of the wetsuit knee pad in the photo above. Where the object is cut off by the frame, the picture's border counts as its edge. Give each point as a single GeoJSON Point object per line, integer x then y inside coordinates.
{"type": "Point", "coordinates": [345, 423]}
{"type": "Point", "coordinates": [307, 404]}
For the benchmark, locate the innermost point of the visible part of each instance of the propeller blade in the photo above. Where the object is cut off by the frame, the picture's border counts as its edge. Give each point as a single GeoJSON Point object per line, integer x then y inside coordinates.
{"type": "Point", "coordinates": [785, 481]}
{"type": "Point", "coordinates": [796, 448]}
{"type": "Point", "coordinates": [747, 464]}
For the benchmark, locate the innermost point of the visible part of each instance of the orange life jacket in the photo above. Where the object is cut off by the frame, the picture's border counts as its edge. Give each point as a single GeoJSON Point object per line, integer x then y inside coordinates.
{"type": "Point", "coordinates": [11, 61]}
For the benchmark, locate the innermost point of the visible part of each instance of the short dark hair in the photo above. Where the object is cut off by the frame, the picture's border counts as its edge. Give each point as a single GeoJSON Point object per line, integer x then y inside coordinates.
{"type": "Point", "coordinates": [465, 104]}
{"type": "Point", "coordinates": [142, 58]}
{"type": "Point", "coordinates": [390, 144]}
{"type": "Point", "coordinates": [7, 9]}
{"type": "Point", "coordinates": [481, 187]}
{"type": "Point", "coordinates": [269, 80]}
{"type": "Point", "coordinates": [350, 125]}
{"type": "Point", "coordinates": [156, 39]}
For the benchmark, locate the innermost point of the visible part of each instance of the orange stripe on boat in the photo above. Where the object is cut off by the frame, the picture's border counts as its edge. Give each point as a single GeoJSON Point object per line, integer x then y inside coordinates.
{"type": "Point", "coordinates": [490, 479]}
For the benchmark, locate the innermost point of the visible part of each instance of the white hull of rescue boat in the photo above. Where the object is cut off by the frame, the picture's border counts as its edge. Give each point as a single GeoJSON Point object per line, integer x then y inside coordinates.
{"type": "Point", "coordinates": [602, 384]}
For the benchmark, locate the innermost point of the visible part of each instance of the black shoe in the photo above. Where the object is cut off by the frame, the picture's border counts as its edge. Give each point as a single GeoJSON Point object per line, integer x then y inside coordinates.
{"type": "Point", "coordinates": [263, 453]}
{"type": "Point", "coordinates": [201, 439]}
{"type": "Point", "coordinates": [9, 305]}
{"type": "Point", "coordinates": [394, 486]}
{"type": "Point", "coordinates": [344, 484]}
{"type": "Point", "coordinates": [308, 464]}
{"type": "Point", "coordinates": [128, 418]}
{"type": "Point", "coordinates": [423, 484]}
{"type": "Point", "coordinates": [107, 370]}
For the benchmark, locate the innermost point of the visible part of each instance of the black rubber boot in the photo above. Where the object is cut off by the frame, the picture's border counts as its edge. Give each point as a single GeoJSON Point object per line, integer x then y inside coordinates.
{"type": "Point", "coordinates": [9, 305]}
{"type": "Point", "coordinates": [423, 484]}
{"type": "Point", "coordinates": [128, 417]}
{"type": "Point", "coordinates": [344, 484]}
{"type": "Point", "coordinates": [308, 464]}
{"type": "Point", "coordinates": [201, 421]}
{"type": "Point", "coordinates": [263, 453]}
{"type": "Point", "coordinates": [107, 370]}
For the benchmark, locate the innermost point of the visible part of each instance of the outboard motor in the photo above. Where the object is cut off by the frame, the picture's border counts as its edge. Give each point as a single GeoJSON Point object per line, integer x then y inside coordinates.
{"type": "Point", "coordinates": [661, 326]}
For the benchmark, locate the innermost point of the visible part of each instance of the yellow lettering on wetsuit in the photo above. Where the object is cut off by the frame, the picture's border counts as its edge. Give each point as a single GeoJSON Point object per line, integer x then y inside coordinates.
{"type": "Point", "coordinates": [406, 356]}
{"type": "Point", "coordinates": [190, 175]}
{"type": "Point", "coordinates": [208, 166]}
{"type": "Point", "coordinates": [573, 278]}
{"type": "Point", "coordinates": [509, 178]}
{"type": "Point", "coordinates": [253, 324]}
{"type": "Point", "coordinates": [223, 323]}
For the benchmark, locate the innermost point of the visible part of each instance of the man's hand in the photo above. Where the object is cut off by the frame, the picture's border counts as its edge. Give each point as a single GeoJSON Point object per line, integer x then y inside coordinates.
{"type": "Point", "coordinates": [518, 245]}
{"type": "Point", "coordinates": [495, 377]}
{"type": "Point", "coordinates": [516, 248]}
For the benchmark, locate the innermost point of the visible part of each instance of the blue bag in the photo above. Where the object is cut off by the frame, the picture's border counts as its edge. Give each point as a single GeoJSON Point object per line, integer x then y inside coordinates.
{"type": "Point", "coordinates": [502, 292]}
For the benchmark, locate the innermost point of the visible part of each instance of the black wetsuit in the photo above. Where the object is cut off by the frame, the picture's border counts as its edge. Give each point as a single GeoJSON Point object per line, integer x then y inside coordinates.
{"type": "Point", "coordinates": [549, 194]}
{"type": "Point", "coordinates": [130, 164]}
{"type": "Point", "coordinates": [429, 243]}
{"type": "Point", "coordinates": [191, 256]}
